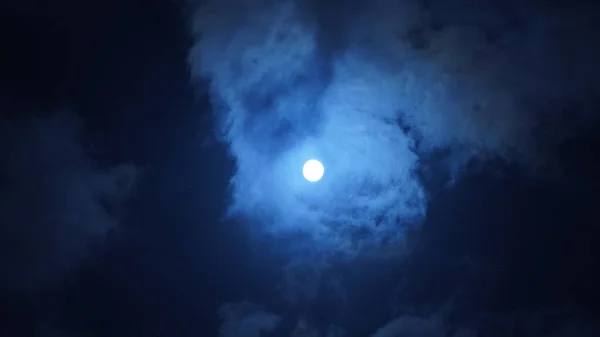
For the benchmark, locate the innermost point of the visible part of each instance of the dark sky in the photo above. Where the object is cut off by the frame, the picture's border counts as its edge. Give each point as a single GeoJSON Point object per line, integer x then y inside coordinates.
{"type": "Point", "coordinates": [114, 190]}
{"type": "Point", "coordinates": [121, 71]}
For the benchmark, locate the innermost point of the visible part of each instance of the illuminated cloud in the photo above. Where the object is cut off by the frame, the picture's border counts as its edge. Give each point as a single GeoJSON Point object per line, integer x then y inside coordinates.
{"type": "Point", "coordinates": [368, 89]}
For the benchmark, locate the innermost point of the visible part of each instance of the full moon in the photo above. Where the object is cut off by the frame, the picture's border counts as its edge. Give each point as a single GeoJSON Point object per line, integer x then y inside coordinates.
{"type": "Point", "coordinates": [313, 170]}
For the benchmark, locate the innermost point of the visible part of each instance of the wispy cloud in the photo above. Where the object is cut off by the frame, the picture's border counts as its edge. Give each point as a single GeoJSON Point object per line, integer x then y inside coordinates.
{"type": "Point", "coordinates": [56, 205]}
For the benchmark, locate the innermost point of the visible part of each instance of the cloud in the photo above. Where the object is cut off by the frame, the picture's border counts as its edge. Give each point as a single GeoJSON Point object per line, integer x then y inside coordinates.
{"type": "Point", "coordinates": [56, 204]}
{"type": "Point", "coordinates": [301, 281]}
{"type": "Point", "coordinates": [245, 319]}
{"type": "Point", "coordinates": [304, 328]}
{"type": "Point", "coordinates": [369, 89]}
{"type": "Point", "coordinates": [412, 326]}
{"type": "Point", "coordinates": [535, 324]}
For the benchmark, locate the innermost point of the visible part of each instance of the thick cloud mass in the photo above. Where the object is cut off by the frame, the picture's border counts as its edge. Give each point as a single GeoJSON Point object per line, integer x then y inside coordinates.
{"type": "Point", "coordinates": [55, 203]}
{"type": "Point", "coordinates": [367, 89]}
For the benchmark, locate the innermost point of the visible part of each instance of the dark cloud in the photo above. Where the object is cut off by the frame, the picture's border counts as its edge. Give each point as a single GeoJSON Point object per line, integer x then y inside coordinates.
{"type": "Point", "coordinates": [412, 326]}
{"type": "Point", "coordinates": [56, 204]}
{"type": "Point", "coordinates": [245, 319]}
{"type": "Point", "coordinates": [369, 89]}
{"type": "Point", "coordinates": [301, 282]}
{"type": "Point", "coordinates": [534, 323]}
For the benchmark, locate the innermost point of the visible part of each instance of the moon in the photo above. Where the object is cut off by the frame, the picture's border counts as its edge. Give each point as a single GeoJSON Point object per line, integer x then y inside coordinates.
{"type": "Point", "coordinates": [313, 170]}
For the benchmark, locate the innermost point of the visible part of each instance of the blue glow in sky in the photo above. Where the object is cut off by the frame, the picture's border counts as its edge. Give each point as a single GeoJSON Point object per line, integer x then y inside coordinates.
{"type": "Point", "coordinates": [290, 84]}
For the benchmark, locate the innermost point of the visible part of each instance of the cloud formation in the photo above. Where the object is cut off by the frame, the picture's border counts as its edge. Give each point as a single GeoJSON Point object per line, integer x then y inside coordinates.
{"type": "Point", "coordinates": [370, 88]}
{"type": "Point", "coordinates": [412, 326]}
{"type": "Point", "coordinates": [56, 204]}
{"type": "Point", "coordinates": [245, 319]}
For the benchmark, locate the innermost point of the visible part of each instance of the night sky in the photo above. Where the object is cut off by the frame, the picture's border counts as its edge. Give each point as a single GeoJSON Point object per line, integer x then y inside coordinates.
{"type": "Point", "coordinates": [151, 160]}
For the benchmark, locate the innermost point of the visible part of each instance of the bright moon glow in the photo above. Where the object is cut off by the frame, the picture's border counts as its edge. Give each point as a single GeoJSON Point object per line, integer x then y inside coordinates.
{"type": "Point", "coordinates": [313, 170]}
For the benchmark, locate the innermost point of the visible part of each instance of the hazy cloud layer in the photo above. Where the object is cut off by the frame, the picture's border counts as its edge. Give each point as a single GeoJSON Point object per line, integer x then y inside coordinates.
{"type": "Point", "coordinates": [368, 89]}
{"type": "Point", "coordinates": [56, 204]}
